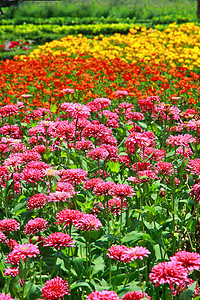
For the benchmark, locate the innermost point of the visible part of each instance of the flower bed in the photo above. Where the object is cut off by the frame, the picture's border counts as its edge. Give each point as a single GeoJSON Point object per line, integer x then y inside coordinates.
{"type": "Point", "coordinates": [100, 172]}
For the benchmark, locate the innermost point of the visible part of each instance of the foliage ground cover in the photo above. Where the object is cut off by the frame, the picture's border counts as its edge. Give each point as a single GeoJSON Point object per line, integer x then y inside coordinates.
{"type": "Point", "coordinates": [100, 168]}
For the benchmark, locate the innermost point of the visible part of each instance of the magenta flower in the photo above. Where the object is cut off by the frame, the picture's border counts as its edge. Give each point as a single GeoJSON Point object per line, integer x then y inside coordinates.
{"type": "Point", "coordinates": [59, 239]}
{"type": "Point", "coordinates": [35, 225]}
{"type": "Point", "coordinates": [103, 295]}
{"type": "Point", "coordinates": [9, 225]}
{"type": "Point", "coordinates": [168, 272]}
{"type": "Point", "coordinates": [136, 295]}
{"type": "Point", "coordinates": [189, 260]}
{"type": "Point", "coordinates": [88, 222]}
{"type": "Point", "coordinates": [55, 289]}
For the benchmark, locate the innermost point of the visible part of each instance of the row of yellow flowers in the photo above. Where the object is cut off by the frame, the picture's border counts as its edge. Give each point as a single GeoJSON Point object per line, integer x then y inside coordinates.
{"type": "Point", "coordinates": [176, 44]}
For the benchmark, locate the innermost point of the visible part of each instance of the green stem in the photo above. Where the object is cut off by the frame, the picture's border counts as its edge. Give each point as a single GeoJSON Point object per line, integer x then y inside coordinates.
{"type": "Point", "coordinates": [55, 261]}
{"type": "Point", "coordinates": [116, 273]}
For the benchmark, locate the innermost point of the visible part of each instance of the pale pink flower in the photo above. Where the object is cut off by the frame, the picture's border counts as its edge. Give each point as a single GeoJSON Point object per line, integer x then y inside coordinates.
{"type": "Point", "coordinates": [5, 297]}
{"type": "Point", "coordinates": [58, 196]}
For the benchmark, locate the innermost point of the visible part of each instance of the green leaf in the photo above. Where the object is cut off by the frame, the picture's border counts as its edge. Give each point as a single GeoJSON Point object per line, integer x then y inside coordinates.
{"type": "Point", "coordinates": [77, 263]}
{"type": "Point", "coordinates": [187, 295]}
{"type": "Point", "coordinates": [99, 265]}
{"type": "Point", "coordinates": [53, 108]}
{"type": "Point", "coordinates": [114, 167]}
{"type": "Point", "coordinates": [78, 284]}
{"type": "Point", "coordinates": [132, 237]}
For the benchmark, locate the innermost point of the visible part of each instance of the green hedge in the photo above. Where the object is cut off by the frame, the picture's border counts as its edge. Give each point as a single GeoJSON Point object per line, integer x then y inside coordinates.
{"type": "Point", "coordinates": [140, 10]}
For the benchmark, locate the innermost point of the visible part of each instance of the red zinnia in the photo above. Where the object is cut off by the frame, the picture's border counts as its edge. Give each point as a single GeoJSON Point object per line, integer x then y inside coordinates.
{"type": "Point", "coordinates": [37, 201]}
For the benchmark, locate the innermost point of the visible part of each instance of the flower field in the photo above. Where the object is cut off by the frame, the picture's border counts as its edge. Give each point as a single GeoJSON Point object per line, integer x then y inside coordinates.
{"type": "Point", "coordinates": [100, 168]}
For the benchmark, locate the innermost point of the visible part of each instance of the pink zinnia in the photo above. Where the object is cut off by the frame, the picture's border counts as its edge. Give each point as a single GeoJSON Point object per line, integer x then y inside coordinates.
{"type": "Point", "coordinates": [184, 150]}
{"type": "Point", "coordinates": [2, 237]}
{"type": "Point", "coordinates": [91, 183]}
{"type": "Point", "coordinates": [137, 139]}
{"type": "Point", "coordinates": [136, 295]}
{"type": "Point", "coordinates": [35, 225]}
{"type": "Point", "coordinates": [122, 190]}
{"type": "Point", "coordinates": [60, 196]}
{"type": "Point", "coordinates": [103, 295]}
{"type": "Point", "coordinates": [168, 272]}
{"type": "Point", "coordinates": [98, 153]}
{"type": "Point", "coordinates": [141, 166]}
{"type": "Point", "coordinates": [153, 154]}
{"type": "Point", "coordinates": [164, 168]}
{"type": "Point", "coordinates": [137, 252]}
{"type": "Point", "coordinates": [180, 140]}
{"type": "Point", "coordinates": [59, 239]}
{"type": "Point", "coordinates": [68, 216]}
{"type": "Point", "coordinates": [73, 176]}
{"type": "Point", "coordinates": [32, 175]}
{"type": "Point", "coordinates": [55, 288]}
{"type": "Point", "coordinates": [114, 205]}
{"type": "Point", "coordinates": [195, 192]}
{"type": "Point", "coordinates": [9, 225]}
{"type": "Point", "coordinates": [37, 201]}
{"type": "Point", "coordinates": [11, 272]}
{"type": "Point", "coordinates": [98, 104]}
{"type": "Point", "coordinates": [76, 110]}
{"type": "Point", "coordinates": [103, 188]}
{"type": "Point", "coordinates": [5, 297]}
{"type": "Point", "coordinates": [8, 110]}
{"type": "Point", "coordinates": [22, 251]}
{"type": "Point", "coordinates": [88, 222]}
{"type": "Point", "coordinates": [193, 166]}
{"type": "Point", "coordinates": [146, 175]}
{"type": "Point", "coordinates": [116, 252]}
{"type": "Point", "coordinates": [189, 260]}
